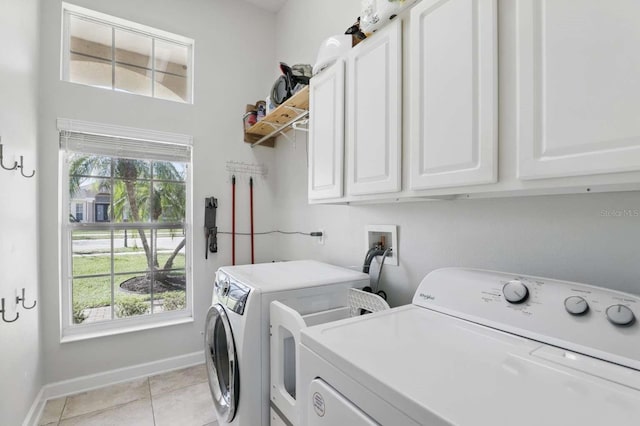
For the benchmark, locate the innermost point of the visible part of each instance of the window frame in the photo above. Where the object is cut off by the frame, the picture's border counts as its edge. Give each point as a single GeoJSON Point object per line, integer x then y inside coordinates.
{"type": "Point", "coordinates": [69, 331]}
{"type": "Point", "coordinates": [126, 25]}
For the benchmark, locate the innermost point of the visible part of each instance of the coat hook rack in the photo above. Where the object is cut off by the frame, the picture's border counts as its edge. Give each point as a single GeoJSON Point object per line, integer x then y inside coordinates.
{"type": "Point", "coordinates": [23, 299]}
{"type": "Point", "coordinates": [15, 163]}
{"type": "Point", "coordinates": [3, 310]}
{"type": "Point", "coordinates": [240, 167]}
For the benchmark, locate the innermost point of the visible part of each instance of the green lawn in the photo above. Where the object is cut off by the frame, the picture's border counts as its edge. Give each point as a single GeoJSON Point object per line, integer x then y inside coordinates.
{"type": "Point", "coordinates": [94, 292]}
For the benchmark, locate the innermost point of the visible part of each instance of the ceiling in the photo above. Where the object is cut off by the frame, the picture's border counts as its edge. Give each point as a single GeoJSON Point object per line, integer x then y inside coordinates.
{"type": "Point", "coordinates": [270, 5]}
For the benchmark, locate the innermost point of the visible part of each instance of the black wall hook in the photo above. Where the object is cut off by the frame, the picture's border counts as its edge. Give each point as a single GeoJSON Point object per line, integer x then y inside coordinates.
{"type": "Point", "coordinates": [211, 230]}
{"type": "Point", "coordinates": [2, 311]}
{"type": "Point", "coordinates": [21, 167]}
{"type": "Point", "coordinates": [15, 164]}
{"type": "Point", "coordinates": [22, 299]}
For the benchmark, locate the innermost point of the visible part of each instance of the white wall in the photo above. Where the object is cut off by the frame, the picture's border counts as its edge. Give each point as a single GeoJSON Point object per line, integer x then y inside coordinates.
{"type": "Point", "coordinates": [234, 57]}
{"type": "Point", "coordinates": [20, 361]}
{"type": "Point", "coordinates": [236, 51]}
{"type": "Point", "coordinates": [565, 237]}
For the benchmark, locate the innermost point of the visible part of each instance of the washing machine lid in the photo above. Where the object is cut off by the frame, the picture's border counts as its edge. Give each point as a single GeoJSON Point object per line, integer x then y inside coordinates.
{"type": "Point", "coordinates": [427, 363]}
{"type": "Point", "coordinates": [281, 276]}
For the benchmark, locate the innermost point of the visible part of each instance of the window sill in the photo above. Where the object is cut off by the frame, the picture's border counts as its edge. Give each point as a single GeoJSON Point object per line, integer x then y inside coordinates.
{"type": "Point", "coordinates": [75, 334]}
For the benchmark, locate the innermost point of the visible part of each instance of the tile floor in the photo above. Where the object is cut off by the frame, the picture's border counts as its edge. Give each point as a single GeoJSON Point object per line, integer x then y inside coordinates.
{"type": "Point", "coordinates": [178, 397]}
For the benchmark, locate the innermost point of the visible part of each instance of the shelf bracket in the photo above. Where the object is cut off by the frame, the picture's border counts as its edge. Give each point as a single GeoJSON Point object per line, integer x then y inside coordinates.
{"type": "Point", "coordinates": [304, 114]}
{"type": "Point", "coordinates": [274, 126]}
{"type": "Point", "coordinates": [299, 125]}
{"type": "Point", "coordinates": [286, 136]}
{"type": "Point", "coordinates": [296, 110]}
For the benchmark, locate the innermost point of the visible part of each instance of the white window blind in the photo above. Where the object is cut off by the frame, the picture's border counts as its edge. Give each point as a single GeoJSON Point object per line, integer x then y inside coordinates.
{"type": "Point", "coordinates": [119, 147]}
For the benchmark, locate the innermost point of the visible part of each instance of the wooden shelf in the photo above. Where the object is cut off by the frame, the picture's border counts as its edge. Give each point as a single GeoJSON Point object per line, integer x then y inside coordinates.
{"type": "Point", "coordinates": [279, 120]}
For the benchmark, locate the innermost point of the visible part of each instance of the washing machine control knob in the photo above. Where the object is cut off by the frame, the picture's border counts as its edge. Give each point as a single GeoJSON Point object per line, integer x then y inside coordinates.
{"type": "Point", "coordinates": [222, 286]}
{"type": "Point", "coordinates": [515, 291]}
{"type": "Point", "coordinates": [576, 305]}
{"type": "Point", "coordinates": [620, 315]}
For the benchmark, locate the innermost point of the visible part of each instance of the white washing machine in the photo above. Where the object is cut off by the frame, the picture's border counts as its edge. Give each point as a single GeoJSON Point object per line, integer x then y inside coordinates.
{"type": "Point", "coordinates": [237, 328]}
{"type": "Point", "coordinates": [479, 348]}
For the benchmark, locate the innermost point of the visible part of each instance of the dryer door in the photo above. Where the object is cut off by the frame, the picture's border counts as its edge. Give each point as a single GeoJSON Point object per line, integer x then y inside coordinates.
{"type": "Point", "coordinates": [328, 407]}
{"type": "Point", "coordinates": [222, 363]}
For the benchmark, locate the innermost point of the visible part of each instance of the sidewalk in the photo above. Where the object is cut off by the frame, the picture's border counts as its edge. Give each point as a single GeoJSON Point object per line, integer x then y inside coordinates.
{"type": "Point", "coordinates": [103, 313]}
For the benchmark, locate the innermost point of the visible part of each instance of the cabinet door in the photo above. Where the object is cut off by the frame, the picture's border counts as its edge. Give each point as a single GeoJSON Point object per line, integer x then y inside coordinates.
{"type": "Point", "coordinates": [374, 111]}
{"type": "Point", "coordinates": [578, 87]}
{"type": "Point", "coordinates": [453, 86]}
{"type": "Point", "coordinates": [326, 133]}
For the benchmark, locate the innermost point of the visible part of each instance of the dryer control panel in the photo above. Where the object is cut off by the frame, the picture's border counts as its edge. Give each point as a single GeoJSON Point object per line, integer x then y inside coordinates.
{"type": "Point", "coordinates": [230, 293]}
{"type": "Point", "coordinates": [591, 320]}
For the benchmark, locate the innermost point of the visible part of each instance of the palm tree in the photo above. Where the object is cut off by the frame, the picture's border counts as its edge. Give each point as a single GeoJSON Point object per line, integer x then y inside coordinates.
{"type": "Point", "coordinates": [137, 202]}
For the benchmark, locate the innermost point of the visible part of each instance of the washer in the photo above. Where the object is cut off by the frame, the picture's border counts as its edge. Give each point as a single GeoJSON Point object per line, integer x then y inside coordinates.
{"type": "Point", "coordinates": [479, 348]}
{"type": "Point", "coordinates": [237, 328]}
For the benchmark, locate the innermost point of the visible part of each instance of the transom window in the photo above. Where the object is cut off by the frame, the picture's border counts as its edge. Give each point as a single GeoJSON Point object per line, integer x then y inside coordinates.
{"type": "Point", "coordinates": [128, 259]}
{"type": "Point", "coordinates": [111, 53]}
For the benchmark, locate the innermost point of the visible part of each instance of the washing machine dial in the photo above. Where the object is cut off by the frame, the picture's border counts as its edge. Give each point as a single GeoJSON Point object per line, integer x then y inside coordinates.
{"type": "Point", "coordinates": [515, 292]}
{"type": "Point", "coordinates": [576, 305]}
{"type": "Point", "coordinates": [620, 315]}
{"type": "Point", "coordinates": [223, 287]}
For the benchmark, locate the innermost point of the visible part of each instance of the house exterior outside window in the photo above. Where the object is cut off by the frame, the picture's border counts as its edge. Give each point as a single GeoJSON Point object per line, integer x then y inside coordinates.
{"type": "Point", "coordinates": [102, 203]}
{"type": "Point", "coordinates": [79, 212]}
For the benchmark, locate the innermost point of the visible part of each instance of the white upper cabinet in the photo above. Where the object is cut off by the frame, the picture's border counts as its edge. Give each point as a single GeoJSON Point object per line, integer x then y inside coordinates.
{"type": "Point", "coordinates": [578, 75]}
{"type": "Point", "coordinates": [453, 90]}
{"type": "Point", "coordinates": [374, 113]}
{"type": "Point", "coordinates": [326, 133]}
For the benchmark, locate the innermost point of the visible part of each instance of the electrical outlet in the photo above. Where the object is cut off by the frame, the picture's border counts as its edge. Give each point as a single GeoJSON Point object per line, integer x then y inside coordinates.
{"type": "Point", "coordinates": [387, 235]}
{"type": "Point", "coordinates": [321, 238]}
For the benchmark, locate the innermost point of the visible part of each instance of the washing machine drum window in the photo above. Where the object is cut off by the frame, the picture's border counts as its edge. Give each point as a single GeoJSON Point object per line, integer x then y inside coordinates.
{"type": "Point", "coordinates": [222, 364]}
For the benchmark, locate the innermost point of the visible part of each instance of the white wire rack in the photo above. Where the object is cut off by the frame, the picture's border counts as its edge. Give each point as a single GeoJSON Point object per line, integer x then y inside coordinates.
{"type": "Point", "coordinates": [242, 168]}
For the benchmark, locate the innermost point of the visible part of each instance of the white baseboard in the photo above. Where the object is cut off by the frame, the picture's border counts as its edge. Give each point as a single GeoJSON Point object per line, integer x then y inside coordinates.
{"type": "Point", "coordinates": [36, 410]}
{"type": "Point", "coordinates": [106, 378]}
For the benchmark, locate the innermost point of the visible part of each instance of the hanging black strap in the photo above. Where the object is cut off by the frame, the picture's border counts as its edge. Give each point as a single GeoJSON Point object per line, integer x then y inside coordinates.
{"type": "Point", "coordinates": [211, 230]}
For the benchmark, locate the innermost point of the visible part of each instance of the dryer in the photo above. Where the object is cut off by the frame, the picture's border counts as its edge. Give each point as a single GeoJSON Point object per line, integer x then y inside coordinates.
{"type": "Point", "coordinates": [479, 348]}
{"type": "Point", "coordinates": [237, 328]}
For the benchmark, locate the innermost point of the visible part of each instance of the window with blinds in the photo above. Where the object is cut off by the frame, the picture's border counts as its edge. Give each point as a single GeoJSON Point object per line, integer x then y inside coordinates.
{"type": "Point", "coordinates": [126, 255]}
